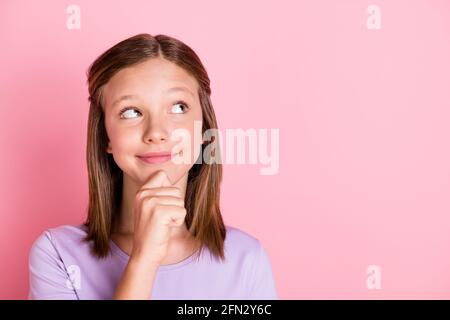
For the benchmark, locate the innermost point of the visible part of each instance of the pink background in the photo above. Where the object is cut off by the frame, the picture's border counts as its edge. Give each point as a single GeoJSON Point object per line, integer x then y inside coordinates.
{"type": "Point", "coordinates": [363, 114]}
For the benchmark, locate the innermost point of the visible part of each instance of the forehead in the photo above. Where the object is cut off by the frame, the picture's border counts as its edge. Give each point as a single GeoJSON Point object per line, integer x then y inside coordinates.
{"type": "Point", "coordinates": [150, 78]}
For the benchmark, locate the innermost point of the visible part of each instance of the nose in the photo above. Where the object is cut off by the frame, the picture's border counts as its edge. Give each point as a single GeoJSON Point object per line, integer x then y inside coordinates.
{"type": "Point", "coordinates": [156, 130]}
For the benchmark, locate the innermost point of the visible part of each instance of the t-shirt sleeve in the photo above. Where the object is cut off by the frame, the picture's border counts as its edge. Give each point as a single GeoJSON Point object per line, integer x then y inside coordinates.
{"type": "Point", "coordinates": [48, 278]}
{"type": "Point", "coordinates": [263, 283]}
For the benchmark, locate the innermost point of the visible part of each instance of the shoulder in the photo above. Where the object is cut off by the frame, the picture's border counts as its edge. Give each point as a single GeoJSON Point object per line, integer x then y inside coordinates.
{"type": "Point", "coordinates": [54, 240]}
{"type": "Point", "coordinates": [50, 261]}
{"type": "Point", "coordinates": [68, 231]}
{"type": "Point", "coordinates": [62, 233]}
{"type": "Point", "coordinates": [241, 243]}
{"type": "Point", "coordinates": [238, 236]}
{"type": "Point", "coordinates": [254, 263]}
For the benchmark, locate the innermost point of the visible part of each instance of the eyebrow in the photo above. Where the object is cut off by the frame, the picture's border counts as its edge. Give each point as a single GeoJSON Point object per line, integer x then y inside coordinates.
{"type": "Point", "coordinates": [133, 96]}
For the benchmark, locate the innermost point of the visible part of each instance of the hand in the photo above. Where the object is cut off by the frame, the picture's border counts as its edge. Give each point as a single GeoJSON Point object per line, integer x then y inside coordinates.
{"type": "Point", "coordinates": [159, 206]}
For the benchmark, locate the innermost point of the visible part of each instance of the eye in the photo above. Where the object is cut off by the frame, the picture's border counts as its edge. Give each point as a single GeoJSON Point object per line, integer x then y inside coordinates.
{"type": "Point", "coordinates": [127, 110]}
{"type": "Point", "coordinates": [180, 105]}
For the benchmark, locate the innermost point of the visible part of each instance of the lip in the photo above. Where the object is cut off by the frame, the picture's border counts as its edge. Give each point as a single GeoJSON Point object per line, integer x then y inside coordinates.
{"type": "Point", "coordinates": [155, 157]}
{"type": "Point", "coordinates": [155, 154]}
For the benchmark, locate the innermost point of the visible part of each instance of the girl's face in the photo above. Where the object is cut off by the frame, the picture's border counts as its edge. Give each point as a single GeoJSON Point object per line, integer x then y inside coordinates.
{"type": "Point", "coordinates": [161, 97]}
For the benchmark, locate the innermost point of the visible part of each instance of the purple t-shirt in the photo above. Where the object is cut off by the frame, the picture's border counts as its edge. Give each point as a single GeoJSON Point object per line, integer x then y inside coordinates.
{"type": "Point", "coordinates": [61, 266]}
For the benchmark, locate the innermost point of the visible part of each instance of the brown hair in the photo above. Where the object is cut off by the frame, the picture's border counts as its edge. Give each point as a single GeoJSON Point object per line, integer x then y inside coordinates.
{"type": "Point", "coordinates": [203, 218]}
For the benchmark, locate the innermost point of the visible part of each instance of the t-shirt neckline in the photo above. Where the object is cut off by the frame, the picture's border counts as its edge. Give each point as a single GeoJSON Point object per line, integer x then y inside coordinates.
{"type": "Point", "coordinates": [167, 267]}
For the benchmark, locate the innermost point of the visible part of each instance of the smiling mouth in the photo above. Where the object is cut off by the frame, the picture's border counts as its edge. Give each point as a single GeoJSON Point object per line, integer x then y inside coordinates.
{"type": "Point", "coordinates": [157, 158]}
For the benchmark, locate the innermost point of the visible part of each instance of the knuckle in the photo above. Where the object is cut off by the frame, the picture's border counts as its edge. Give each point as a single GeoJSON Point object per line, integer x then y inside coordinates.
{"type": "Point", "coordinates": [151, 201]}
{"type": "Point", "coordinates": [157, 207]}
{"type": "Point", "coordinates": [158, 210]}
{"type": "Point", "coordinates": [182, 211]}
{"type": "Point", "coordinates": [176, 190]}
{"type": "Point", "coordinates": [140, 194]}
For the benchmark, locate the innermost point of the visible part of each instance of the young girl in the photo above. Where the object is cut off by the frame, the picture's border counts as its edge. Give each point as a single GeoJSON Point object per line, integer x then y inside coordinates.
{"type": "Point", "coordinates": [154, 228]}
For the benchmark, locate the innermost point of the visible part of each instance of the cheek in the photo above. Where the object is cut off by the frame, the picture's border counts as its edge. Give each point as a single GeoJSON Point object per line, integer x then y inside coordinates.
{"type": "Point", "coordinates": [123, 140]}
{"type": "Point", "coordinates": [194, 135]}
{"type": "Point", "coordinates": [196, 143]}
{"type": "Point", "coordinates": [189, 139]}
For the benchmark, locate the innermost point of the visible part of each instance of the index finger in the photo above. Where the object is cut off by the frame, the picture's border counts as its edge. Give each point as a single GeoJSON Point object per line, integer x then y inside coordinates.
{"type": "Point", "coordinates": [158, 179]}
